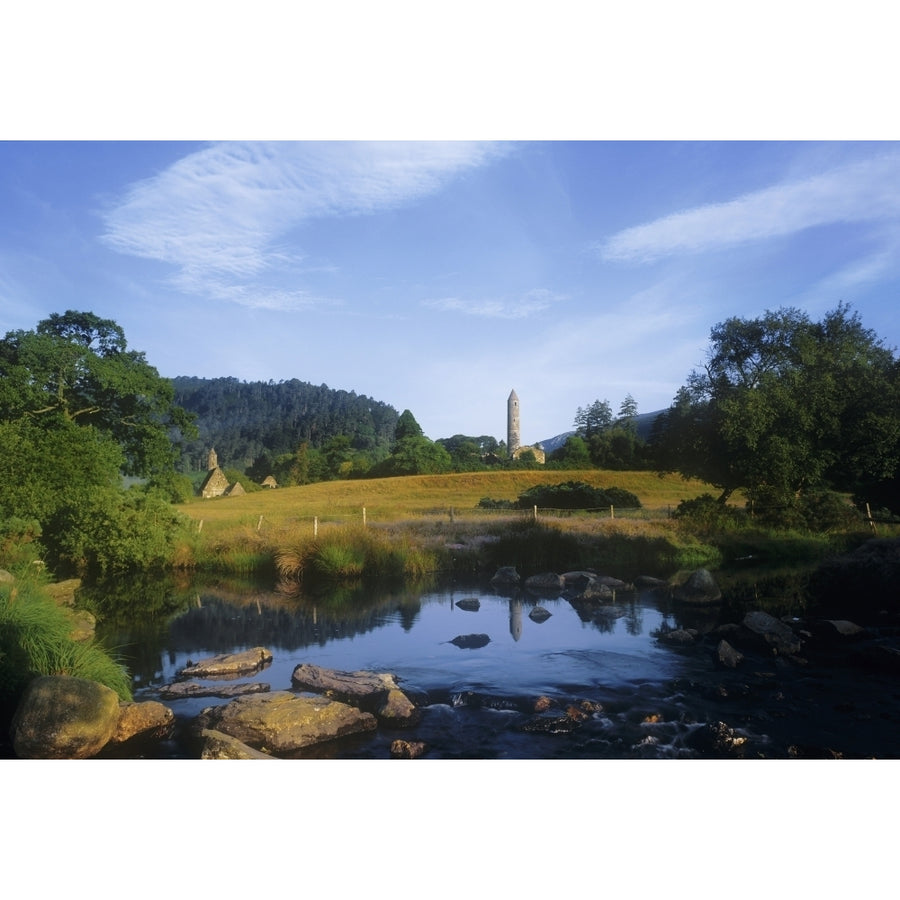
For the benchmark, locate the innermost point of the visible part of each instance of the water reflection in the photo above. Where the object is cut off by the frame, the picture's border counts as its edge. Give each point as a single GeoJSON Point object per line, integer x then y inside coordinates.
{"type": "Point", "coordinates": [155, 624]}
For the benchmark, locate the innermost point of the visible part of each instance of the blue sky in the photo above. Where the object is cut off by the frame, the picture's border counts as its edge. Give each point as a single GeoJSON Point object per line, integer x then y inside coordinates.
{"type": "Point", "coordinates": [439, 276]}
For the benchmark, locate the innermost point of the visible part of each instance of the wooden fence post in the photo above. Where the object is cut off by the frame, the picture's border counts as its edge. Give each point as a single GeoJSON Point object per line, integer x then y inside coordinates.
{"type": "Point", "coordinates": [612, 512]}
{"type": "Point", "coordinates": [259, 523]}
{"type": "Point", "coordinates": [315, 526]}
{"type": "Point", "coordinates": [871, 520]}
{"type": "Point", "coordinates": [364, 517]}
{"type": "Point", "coordinates": [535, 514]}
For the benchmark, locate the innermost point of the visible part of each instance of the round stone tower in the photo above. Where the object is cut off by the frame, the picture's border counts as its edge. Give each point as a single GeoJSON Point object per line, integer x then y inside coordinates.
{"type": "Point", "coordinates": [513, 436]}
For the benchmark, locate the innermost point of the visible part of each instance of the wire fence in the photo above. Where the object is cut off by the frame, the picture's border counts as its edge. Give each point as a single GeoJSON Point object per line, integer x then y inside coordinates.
{"type": "Point", "coordinates": [456, 514]}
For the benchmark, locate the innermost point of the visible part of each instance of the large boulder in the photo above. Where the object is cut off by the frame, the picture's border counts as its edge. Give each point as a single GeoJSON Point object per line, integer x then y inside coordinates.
{"type": "Point", "coordinates": [150, 719]}
{"type": "Point", "coordinates": [283, 722]}
{"type": "Point", "coordinates": [62, 717]}
{"type": "Point", "coordinates": [242, 663]}
{"type": "Point", "coordinates": [699, 588]}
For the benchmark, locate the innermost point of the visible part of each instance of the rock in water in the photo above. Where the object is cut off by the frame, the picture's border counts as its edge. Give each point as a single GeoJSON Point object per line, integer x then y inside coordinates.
{"type": "Point", "coordinates": [471, 641]}
{"type": "Point", "coordinates": [374, 692]}
{"type": "Point", "coordinates": [217, 745]}
{"type": "Point", "coordinates": [545, 583]}
{"type": "Point", "coordinates": [470, 604]}
{"type": "Point", "coordinates": [282, 722]}
{"type": "Point", "coordinates": [700, 587]}
{"type": "Point", "coordinates": [149, 718]}
{"type": "Point", "coordinates": [229, 664]}
{"type": "Point", "coordinates": [506, 576]}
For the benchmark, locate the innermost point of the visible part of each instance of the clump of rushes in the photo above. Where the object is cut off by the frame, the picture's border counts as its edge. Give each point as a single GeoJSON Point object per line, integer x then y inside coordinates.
{"type": "Point", "coordinates": [36, 639]}
{"type": "Point", "coordinates": [342, 554]}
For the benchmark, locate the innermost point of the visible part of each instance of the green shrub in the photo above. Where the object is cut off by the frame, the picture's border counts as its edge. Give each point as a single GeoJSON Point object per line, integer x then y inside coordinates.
{"type": "Point", "coordinates": [116, 532]}
{"type": "Point", "coordinates": [814, 511]}
{"type": "Point", "coordinates": [707, 515]}
{"type": "Point", "coordinates": [488, 503]}
{"type": "Point", "coordinates": [577, 495]}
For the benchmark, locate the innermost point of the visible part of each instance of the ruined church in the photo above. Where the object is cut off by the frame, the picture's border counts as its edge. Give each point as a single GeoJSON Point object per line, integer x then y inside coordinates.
{"type": "Point", "coordinates": [216, 484]}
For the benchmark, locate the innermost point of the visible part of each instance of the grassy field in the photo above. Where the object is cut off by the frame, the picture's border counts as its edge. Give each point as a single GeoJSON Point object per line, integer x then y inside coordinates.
{"type": "Point", "coordinates": [416, 523]}
{"type": "Point", "coordinates": [389, 500]}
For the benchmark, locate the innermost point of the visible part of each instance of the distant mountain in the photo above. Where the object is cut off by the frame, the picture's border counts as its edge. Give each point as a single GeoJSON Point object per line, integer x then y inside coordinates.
{"type": "Point", "coordinates": [644, 422]}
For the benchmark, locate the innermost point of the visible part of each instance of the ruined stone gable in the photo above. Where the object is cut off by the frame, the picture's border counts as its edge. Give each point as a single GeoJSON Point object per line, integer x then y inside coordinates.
{"type": "Point", "coordinates": [215, 484]}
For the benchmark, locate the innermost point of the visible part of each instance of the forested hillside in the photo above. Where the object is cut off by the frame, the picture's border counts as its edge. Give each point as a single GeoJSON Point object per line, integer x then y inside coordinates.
{"type": "Point", "coordinates": [244, 420]}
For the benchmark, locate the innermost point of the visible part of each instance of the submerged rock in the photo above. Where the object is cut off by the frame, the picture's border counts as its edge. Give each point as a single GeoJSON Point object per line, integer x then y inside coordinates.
{"type": "Point", "coordinates": [471, 641]}
{"type": "Point", "coordinates": [679, 636]}
{"type": "Point", "coordinates": [470, 604]}
{"type": "Point", "coordinates": [539, 614]}
{"type": "Point", "coordinates": [61, 717]}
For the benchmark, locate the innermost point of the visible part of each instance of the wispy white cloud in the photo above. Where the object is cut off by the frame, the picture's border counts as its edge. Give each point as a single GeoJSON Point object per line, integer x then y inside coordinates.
{"type": "Point", "coordinates": [854, 193]}
{"type": "Point", "coordinates": [531, 303]}
{"type": "Point", "coordinates": [219, 215]}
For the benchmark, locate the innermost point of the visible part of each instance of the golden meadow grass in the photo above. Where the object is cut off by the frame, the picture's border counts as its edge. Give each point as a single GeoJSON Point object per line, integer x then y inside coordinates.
{"type": "Point", "coordinates": [394, 499]}
{"type": "Point", "coordinates": [404, 526]}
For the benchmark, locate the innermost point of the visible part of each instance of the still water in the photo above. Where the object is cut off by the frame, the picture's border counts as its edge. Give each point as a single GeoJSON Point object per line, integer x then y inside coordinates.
{"type": "Point", "coordinates": [477, 702]}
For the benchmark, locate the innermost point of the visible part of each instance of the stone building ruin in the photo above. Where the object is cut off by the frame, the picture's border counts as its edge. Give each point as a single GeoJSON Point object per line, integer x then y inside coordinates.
{"type": "Point", "coordinates": [514, 435]}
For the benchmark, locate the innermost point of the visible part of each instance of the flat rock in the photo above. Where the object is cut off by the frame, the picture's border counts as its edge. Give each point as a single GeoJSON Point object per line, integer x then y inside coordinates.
{"type": "Point", "coordinates": [217, 745]}
{"type": "Point", "coordinates": [374, 692]}
{"type": "Point", "coordinates": [229, 664]}
{"type": "Point", "coordinates": [181, 689]}
{"type": "Point", "coordinates": [283, 722]}
{"type": "Point", "coordinates": [539, 614]}
{"type": "Point", "coordinates": [469, 604]}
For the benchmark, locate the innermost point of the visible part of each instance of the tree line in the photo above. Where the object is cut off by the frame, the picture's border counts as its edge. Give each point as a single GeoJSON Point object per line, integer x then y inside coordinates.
{"type": "Point", "coordinates": [786, 409]}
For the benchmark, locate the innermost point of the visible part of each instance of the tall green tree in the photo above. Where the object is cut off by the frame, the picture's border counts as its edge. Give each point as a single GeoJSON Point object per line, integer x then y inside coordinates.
{"type": "Point", "coordinates": [593, 419]}
{"type": "Point", "coordinates": [76, 367]}
{"type": "Point", "coordinates": [786, 405]}
{"type": "Point", "coordinates": [77, 410]}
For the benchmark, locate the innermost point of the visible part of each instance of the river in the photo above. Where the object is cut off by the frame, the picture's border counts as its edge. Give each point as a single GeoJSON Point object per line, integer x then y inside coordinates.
{"type": "Point", "coordinates": [616, 690]}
